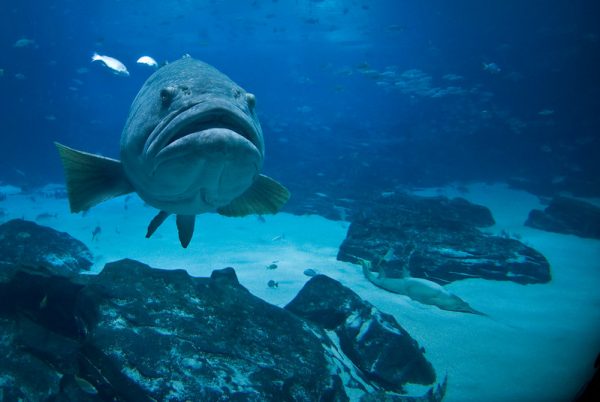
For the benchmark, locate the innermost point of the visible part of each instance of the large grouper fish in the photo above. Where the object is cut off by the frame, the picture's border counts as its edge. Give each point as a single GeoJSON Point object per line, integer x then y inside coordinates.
{"type": "Point", "coordinates": [192, 143]}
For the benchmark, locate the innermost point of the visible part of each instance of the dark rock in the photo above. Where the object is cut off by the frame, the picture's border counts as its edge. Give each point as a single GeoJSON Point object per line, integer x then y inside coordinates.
{"type": "Point", "coordinates": [567, 215]}
{"type": "Point", "coordinates": [186, 338]}
{"type": "Point", "coordinates": [374, 341]}
{"type": "Point", "coordinates": [27, 243]}
{"type": "Point", "coordinates": [591, 387]}
{"type": "Point", "coordinates": [435, 394]}
{"type": "Point", "coordinates": [41, 327]}
{"type": "Point", "coordinates": [135, 333]}
{"type": "Point", "coordinates": [430, 238]}
{"type": "Point", "coordinates": [410, 208]}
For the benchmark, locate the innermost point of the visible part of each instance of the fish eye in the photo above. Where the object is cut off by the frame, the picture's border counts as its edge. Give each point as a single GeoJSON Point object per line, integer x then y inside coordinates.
{"type": "Point", "coordinates": [167, 95]}
{"type": "Point", "coordinates": [251, 99]}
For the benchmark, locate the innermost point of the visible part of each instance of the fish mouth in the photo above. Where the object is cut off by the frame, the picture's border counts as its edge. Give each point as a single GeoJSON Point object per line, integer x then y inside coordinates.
{"type": "Point", "coordinates": [202, 117]}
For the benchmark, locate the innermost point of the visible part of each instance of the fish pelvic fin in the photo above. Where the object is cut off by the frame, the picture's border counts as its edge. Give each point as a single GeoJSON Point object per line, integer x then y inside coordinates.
{"type": "Point", "coordinates": [185, 227]}
{"type": "Point", "coordinates": [156, 222]}
{"type": "Point", "coordinates": [91, 178]}
{"type": "Point", "coordinates": [265, 196]}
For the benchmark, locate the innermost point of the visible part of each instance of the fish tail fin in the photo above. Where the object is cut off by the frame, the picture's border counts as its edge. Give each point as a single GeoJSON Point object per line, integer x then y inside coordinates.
{"type": "Point", "coordinates": [95, 56]}
{"type": "Point", "coordinates": [91, 179]}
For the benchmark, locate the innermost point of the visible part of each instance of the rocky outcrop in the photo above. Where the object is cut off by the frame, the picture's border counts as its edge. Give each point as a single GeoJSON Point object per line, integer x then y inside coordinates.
{"type": "Point", "coordinates": [27, 243]}
{"type": "Point", "coordinates": [569, 216]}
{"type": "Point", "coordinates": [438, 239]}
{"type": "Point", "coordinates": [135, 333]}
{"type": "Point", "coordinates": [376, 344]}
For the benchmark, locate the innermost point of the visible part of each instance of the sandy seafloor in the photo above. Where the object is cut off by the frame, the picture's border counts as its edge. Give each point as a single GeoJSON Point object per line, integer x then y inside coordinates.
{"type": "Point", "coordinates": [538, 343]}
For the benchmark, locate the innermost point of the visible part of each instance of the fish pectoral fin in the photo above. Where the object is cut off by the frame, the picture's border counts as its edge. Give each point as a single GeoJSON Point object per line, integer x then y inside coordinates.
{"type": "Point", "coordinates": [265, 196]}
{"type": "Point", "coordinates": [91, 178]}
{"type": "Point", "coordinates": [185, 227]}
{"type": "Point", "coordinates": [156, 222]}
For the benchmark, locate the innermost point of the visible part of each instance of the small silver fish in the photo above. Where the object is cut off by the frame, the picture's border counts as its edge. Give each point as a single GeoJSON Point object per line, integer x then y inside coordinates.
{"type": "Point", "coordinates": [115, 65]}
{"type": "Point", "coordinates": [278, 237]}
{"type": "Point", "coordinates": [147, 60]}
{"type": "Point", "coordinates": [85, 386]}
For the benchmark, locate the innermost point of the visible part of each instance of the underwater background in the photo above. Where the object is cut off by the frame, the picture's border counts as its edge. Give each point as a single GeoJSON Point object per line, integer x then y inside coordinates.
{"type": "Point", "coordinates": [395, 125]}
{"type": "Point", "coordinates": [370, 93]}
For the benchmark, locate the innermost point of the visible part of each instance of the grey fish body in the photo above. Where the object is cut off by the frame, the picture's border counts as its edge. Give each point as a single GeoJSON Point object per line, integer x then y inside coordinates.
{"type": "Point", "coordinates": [192, 143]}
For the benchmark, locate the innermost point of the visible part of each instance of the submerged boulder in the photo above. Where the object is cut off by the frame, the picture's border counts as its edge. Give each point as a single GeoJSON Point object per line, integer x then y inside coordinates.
{"type": "Point", "coordinates": [375, 342]}
{"type": "Point", "coordinates": [438, 239]}
{"type": "Point", "coordinates": [569, 216]}
{"type": "Point", "coordinates": [138, 333]}
{"type": "Point", "coordinates": [26, 243]}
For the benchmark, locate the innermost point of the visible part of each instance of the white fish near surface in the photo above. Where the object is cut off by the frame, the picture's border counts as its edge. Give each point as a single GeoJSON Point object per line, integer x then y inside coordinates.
{"type": "Point", "coordinates": [115, 65]}
{"type": "Point", "coordinates": [192, 144]}
{"type": "Point", "coordinates": [147, 60]}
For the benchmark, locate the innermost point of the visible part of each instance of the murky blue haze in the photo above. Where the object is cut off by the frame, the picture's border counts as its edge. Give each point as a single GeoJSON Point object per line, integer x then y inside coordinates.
{"type": "Point", "coordinates": [375, 93]}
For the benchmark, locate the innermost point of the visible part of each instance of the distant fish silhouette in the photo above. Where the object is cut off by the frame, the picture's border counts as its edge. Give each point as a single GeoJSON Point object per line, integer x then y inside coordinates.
{"type": "Point", "coordinates": [97, 230]}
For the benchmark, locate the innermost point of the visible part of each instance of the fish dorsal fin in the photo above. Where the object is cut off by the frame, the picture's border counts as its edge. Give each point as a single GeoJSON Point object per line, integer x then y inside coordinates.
{"type": "Point", "coordinates": [91, 178]}
{"type": "Point", "coordinates": [185, 227]}
{"type": "Point", "coordinates": [156, 222]}
{"type": "Point", "coordinates": [265, 196]}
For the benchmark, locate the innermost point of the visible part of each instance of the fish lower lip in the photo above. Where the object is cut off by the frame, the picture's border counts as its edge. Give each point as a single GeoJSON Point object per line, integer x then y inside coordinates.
{"type": "Point", "coordinates": [199, 118]}
{"type": "Point", "coordinates": [198, 127]}
{"type": "Point", "coordinates": [208, 144]}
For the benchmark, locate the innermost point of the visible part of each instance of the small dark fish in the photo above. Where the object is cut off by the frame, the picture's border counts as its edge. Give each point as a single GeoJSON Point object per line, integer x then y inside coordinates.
{"type": "Point", "coordinates": [272, 266]}
{"type": "Point", "coordinates": [261, 219]}
{"type": "Point", "coordinates": [310, 272]}
{"type": "Point", "coordinates": [45, 215]}
{"type": "Point", "coordinates": [97, 230]}
{"type": "Point", "coordinates": [272, 284]}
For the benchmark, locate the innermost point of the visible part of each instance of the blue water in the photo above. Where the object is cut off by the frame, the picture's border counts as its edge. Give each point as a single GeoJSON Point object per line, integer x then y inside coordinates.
{"type": "Point", "coordinates": [378, 94]}
{"type": "Point", "coordinates": [356, 98]}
